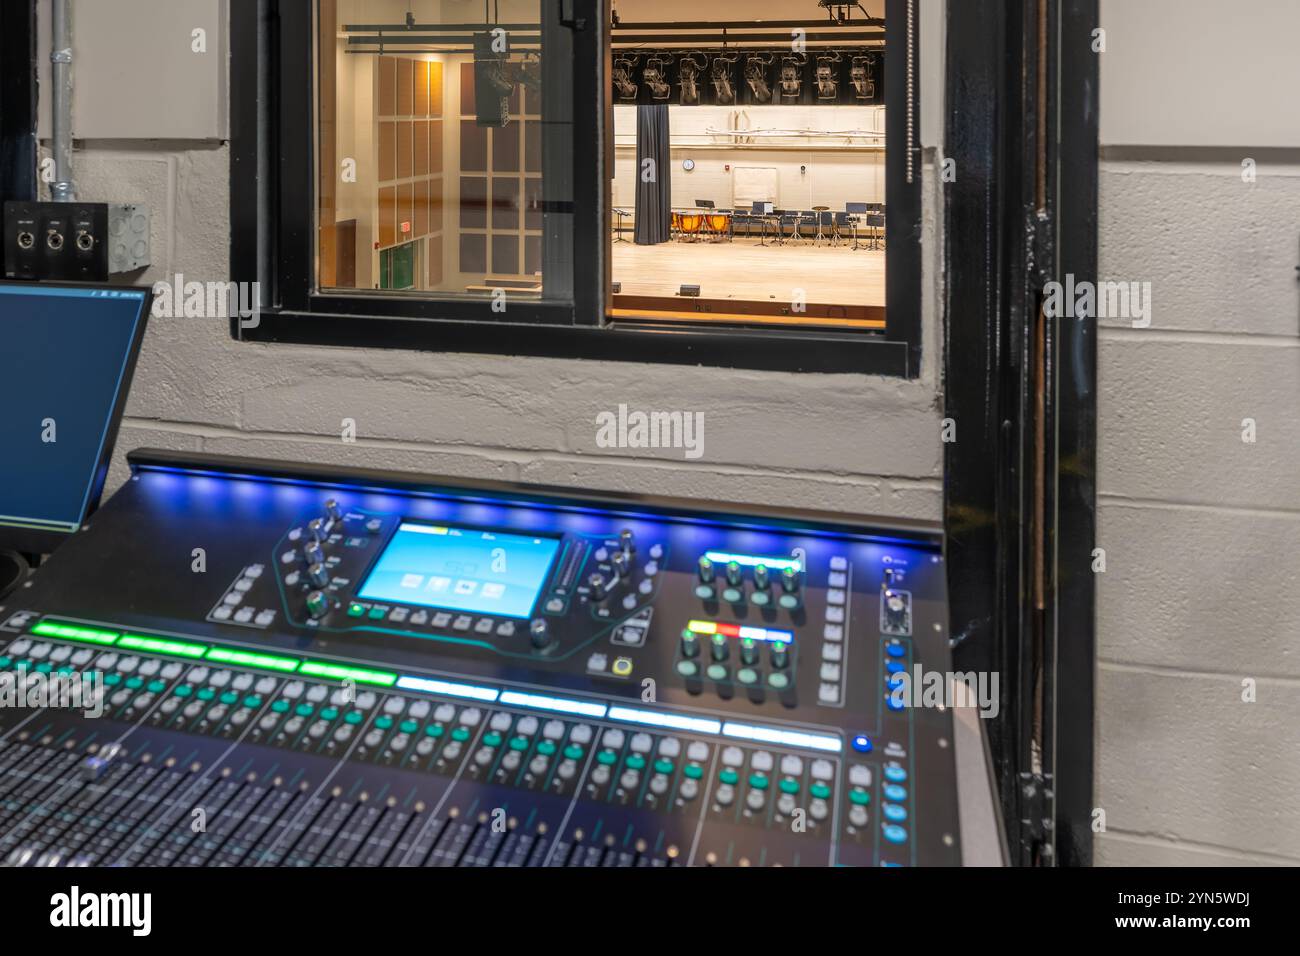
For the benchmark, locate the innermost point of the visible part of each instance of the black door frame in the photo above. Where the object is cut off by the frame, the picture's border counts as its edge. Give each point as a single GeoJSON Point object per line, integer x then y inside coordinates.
{"type": "Point", "coordinates": [18, 100]}
{"type": "Point", "coordinates": [1020, 489]}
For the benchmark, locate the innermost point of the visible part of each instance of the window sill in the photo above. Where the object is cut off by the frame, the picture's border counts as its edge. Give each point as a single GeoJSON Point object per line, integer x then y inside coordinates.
{"type": "Point", "coordinates": [783, 350]}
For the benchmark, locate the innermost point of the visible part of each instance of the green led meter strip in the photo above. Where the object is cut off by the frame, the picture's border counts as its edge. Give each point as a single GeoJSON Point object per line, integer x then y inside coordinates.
{"type": "Point", "coordinates": [192, 650]}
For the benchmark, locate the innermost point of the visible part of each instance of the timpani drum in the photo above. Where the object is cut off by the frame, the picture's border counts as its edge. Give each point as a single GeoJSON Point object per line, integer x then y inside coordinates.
{"type": "Point", "coordinates": [692, 223]}
{"type": "Point", "coordinates": [720, 224]}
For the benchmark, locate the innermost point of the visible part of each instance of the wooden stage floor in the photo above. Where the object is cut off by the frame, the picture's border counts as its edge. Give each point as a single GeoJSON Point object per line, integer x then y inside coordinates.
{"type": "Point", "coordinates": [742, 270]}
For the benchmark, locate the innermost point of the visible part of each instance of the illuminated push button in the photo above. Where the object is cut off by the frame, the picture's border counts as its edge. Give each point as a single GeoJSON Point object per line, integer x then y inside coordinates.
{"type": "Point", "coordinates": [500, 721]}
{"type": "Point", "coordinates": [573, 752]}
{"type": "Point", "coordinates": [636, 762]}
{"type": "Point", "coordinates": [895, 667]}
{"type": "Point", "coordinates": [641, 743]}
{"type": "Point", "coordinates": [860, 797]}
{"type": "Point", "coordinates": [693, 771]}
{"type": "Point", "coordinates": [729, 777]}
{"type": "Point", "coordinates": [758, 781]}
{"type": "Point", "coordinates": [356, 610]}
{"type": "Point", "coordinates": [858, 816]}
{"type": "Point", "coordinates": [894, 813]}
{"type": "Point", "coordinates": [819, 810]}
{"type": "Point", "coordinates": [519, 743]}
{"type": "Point", "coordinates": [755, 799]}
{"type": "Point", "coordinates": [894, 833]}
{"type": "Point", "coordinates": [663, 765]}
{"type": "Point", "coordinates": [894, 704]}
{"type": "Point", "coordinates": [581, 735]}
{"type": "Point", "coordinates": [492, 739]}
{"type": "Point", "coordinates": [747, 676]}
{"type": "Point", "coordinates": [688, 668]}
{"type": "Point", "coordinates": [778, 681]}
{"type": "Point", "coordinates": [460, 734]}
{"type": "Point", "coordinates": [894, 649]}
{"type": "Point", "coordinates": [606, 757]}
{"type": "Point", "coordinates": [527, 726]}
{"type": "Point", "coordinates": [613, 739]}
{"type": "Point", "coordinates": [435, 730]}
{"type": "Point", "coordinates": [622, 666]}
{"type": "Point", "coordinates": [862, 744]}
{"type": "Point", "coordinates": [895, 774]}
{"type": "Point", "coordinates": [670, 747]}
{"type": "Point", "coordinates": [860, 775]}
{"type": "Point", "coordinates": [894, 792]}
{"type": "Point", "coordinates": [717, 672]}
{"type": "Point", "coordinates": [383, 723]}
{"type": "Point", "coordinates": [471, 716]}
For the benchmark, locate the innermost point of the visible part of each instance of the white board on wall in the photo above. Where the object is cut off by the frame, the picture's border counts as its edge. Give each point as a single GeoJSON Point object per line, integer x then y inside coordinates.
{"type": "Point", "coordinates": [1200, 73]}
{"type": "Point", "coordinates": [141, 69]}
{"type": "Point", "coordinates": [751, 184]}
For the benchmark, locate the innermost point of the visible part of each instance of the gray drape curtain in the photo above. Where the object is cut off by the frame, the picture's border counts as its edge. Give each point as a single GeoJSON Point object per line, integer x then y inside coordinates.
{"type": "Point", "coordinates": [653, 198]}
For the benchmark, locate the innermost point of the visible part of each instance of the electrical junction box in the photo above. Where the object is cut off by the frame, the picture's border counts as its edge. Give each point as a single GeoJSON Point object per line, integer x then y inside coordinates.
{"type": "Point", "coordinates": [76, 241]}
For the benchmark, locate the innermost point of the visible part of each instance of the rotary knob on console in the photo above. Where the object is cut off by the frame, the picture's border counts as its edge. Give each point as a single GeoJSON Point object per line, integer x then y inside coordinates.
{"type": "Point", "coordinates": [718, 649]}
{"type": "Point", "coordinates": [314, 554]}
{"type": "Point", "coordinates": [621, 563]}
{"type": "Point", "coordinates": [318, 605]}
{"type": "Point", "coordinates": [690, 644]}
{"type": "Point", "coordinates": [332, 510]}
{"type": "Point", "coordinates": [706, 569]}
{"type": "Point", "coordinates": [734, 573]}
{"type": "Point", "coordinates": [780, 656]}
{"type": "Point", "coordinates": [539, 633]}
{"type": "Point", "coordinates": [597, 586]}
{"type": "Point", "coordinates": [627, 542]}
{"type": "Point", "coordinates": [790, 580]}
{"type": "Point", "coordinates": [748, 651]}
{"type": "Point", "coordinates": [315, 530]}
{"type": "Point", "coordinates": [761, 579]}
{"type": "Point", "coordinates": [318, 575]}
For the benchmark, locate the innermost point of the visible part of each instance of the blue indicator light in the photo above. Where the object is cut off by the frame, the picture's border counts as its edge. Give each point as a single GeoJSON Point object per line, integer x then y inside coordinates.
{"type": "Point", "coordinates": [895, 650]}
{"type": "Point", "coordinates": [894, 833]}
{"type": "Point", "coordinates": [862, 744]}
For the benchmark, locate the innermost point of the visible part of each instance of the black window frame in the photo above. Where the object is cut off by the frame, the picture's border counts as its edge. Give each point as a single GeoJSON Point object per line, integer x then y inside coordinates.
{"type": "Point", "coordinates": [273, 228]}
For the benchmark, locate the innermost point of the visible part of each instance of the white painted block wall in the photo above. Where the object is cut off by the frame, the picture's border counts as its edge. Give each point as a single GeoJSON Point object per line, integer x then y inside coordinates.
{"type": "Point", "coordinates": [1201, 530]}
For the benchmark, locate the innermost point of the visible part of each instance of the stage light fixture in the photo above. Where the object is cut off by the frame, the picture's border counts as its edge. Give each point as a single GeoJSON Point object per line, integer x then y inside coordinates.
{"type": "Point", "coordinates": [862, 76]}
{"type": "Point", "coordinates": [655, 75]}
{"type": "Point", "coordinates": [624, 68]}
{"type": "Point", "coordinates": [828, 82]}
{"type": "Point", "coordinates": [724, 92]}
{"type": "Point", "coordinates": [756, 76]}
{"type": "Point", "coordinates": [689, 68]}
{"type": "Point", "coordinates": [792, 75]}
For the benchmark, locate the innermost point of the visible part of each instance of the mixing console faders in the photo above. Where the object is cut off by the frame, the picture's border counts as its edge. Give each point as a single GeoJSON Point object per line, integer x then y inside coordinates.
{"type": "Point", "coordinates": [373, 670]}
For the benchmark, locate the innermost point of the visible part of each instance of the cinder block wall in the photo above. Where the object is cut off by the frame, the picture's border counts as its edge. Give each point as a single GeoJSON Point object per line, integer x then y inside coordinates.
{"type": "Point", "coordinates": [1199, 527]}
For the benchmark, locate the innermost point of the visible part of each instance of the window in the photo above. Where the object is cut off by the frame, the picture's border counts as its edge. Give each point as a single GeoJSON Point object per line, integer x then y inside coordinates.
{"type": "Point", "coordinates": [414, 175]}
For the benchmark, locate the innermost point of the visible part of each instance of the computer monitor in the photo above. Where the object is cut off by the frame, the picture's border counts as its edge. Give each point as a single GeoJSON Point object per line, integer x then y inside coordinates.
{"type": "Point", "coordinates": [69, 353]}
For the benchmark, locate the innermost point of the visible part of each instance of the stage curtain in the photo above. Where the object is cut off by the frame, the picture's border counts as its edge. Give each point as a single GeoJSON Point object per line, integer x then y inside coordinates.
{"type": "Point", "coordinates": [653, 198]}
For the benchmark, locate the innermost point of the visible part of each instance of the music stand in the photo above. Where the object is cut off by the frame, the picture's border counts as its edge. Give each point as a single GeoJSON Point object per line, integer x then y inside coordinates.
{"type": "Point", "coordinates": [857, 209]}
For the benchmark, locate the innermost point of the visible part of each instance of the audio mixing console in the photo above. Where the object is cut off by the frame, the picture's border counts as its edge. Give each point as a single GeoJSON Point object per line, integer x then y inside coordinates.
{"type": "Point", "coordinates": [303, 666]}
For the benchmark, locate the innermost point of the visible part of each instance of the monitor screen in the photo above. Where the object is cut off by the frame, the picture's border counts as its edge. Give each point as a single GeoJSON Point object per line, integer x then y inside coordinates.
{"type": "Point", "coordinates": [68, 357]}
{"type": "Point", "coordinates": [461, 569]}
